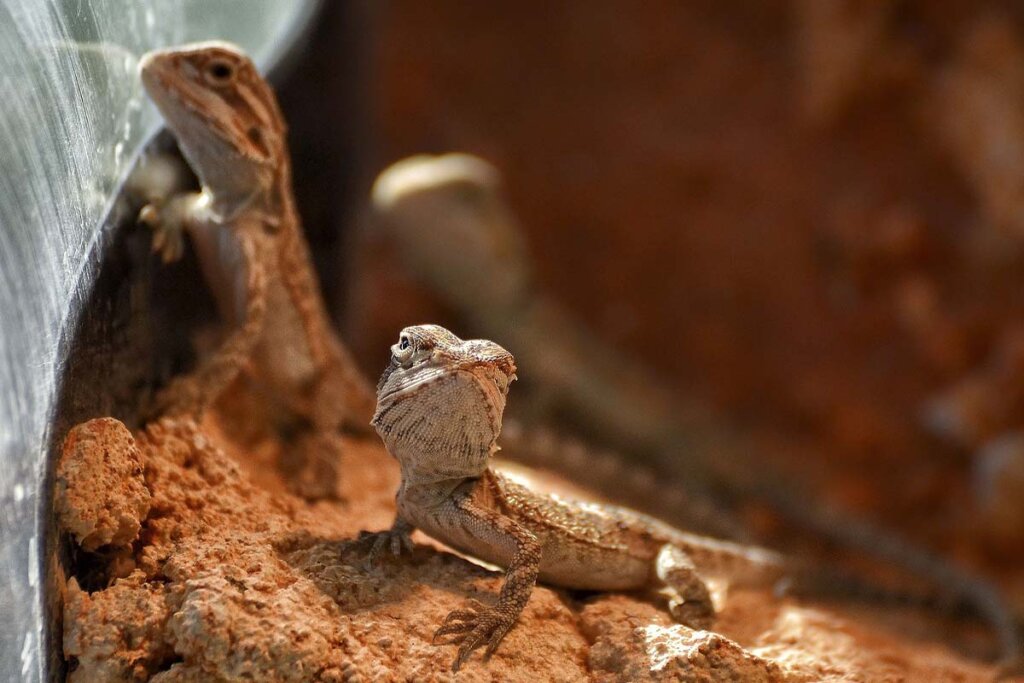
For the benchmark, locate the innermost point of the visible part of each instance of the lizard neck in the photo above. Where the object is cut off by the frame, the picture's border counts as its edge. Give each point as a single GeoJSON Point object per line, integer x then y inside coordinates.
{"type": "Point", "coordinates": [429, 468]}
{"type": "Point", "coordinates": [268, 197]}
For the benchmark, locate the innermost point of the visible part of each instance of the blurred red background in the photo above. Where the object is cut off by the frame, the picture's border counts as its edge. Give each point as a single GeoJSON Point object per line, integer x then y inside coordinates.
{"type": "Point", "coordinates": [808, 214]}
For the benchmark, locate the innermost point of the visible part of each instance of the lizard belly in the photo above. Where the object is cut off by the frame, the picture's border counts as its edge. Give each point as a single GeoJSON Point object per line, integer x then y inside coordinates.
{"type": "Point", "coordinates": [448, 525]}
{"type": "Point", "coordinates": [573, 564]}
{"type": "Point", "coordinates": [565, 562]}
{"type": "Point", "coordinates": [283, 356]}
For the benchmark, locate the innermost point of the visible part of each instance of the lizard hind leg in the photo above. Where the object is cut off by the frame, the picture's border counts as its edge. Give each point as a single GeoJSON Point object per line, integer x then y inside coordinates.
{"type": "Point", "coordinates": [689, 600]}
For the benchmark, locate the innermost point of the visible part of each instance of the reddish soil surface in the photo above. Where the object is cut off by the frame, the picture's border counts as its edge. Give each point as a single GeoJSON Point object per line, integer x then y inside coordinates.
{"type": "Point", "coordinates": [227, 576]}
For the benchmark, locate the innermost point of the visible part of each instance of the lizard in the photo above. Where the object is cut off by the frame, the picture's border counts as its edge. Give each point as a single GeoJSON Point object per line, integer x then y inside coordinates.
{"type": "Point", "coordinates": [440, 404]}
{"type": "Point", "coordinates": [246, 232]}
{"type": "Point", "coordinates": [453, 227]}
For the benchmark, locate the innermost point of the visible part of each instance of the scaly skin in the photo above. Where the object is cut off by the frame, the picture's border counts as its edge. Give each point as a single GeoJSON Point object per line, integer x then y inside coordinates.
{"type": "Point", "coordinates": [247, 235]}
{"type": "Point", "coordinates": [455, 230]}
{"type": "Point", "coordinates": [439, 412]}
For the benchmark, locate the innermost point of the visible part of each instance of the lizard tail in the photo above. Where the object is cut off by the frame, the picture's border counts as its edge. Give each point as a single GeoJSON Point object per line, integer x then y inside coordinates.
{"type": "Point", "coordinates": [954, 591]}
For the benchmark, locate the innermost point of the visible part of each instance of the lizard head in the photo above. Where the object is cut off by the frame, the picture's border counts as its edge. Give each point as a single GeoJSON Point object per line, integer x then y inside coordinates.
{"type": "Point", "coordinates": [453, 226]}
{"type": "Point", "coordinates": [224, 116]}
{"type": "Point", "coordinates": [442, 396]}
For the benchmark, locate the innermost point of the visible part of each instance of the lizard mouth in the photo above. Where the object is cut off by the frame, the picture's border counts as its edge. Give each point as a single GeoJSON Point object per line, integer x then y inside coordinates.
{"type": "Point", "coordinates": [425, 378]}
{"type": "Point", "coordinates": [492, 378]}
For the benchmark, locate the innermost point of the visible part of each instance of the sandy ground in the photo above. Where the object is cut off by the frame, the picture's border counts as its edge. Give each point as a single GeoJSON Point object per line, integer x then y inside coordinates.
{"type": "Point", "coordinates": [193, 562]}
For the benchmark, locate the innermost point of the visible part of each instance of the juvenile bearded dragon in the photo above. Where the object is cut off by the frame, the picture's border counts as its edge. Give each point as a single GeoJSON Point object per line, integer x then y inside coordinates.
{"type": "Point", "coordinates": [439, 411]}
{"type": "Point", "coordinates": [440, 404]}
{"type": "Point", "coordinates": [245, 230]}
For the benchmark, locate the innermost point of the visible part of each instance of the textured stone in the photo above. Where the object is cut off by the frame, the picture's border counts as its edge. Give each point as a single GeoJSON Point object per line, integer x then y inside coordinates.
{"type": "Point", "coordinates": [100, 494]}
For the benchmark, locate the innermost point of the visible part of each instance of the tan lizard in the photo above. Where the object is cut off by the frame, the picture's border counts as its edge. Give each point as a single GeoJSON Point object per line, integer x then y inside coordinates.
{"type": "Point", "coordinates": [440, 404]}
{"type": "Point", "coordinates": [439, 411]}
{"type": "Point", "coordinates": [246, 232]}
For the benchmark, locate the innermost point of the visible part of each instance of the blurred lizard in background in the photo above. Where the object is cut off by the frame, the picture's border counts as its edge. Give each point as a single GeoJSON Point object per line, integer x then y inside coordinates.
{"type": "Point", "coordinates": [246, 232]}
{"type": "Point", "coordinates": [455, 230]}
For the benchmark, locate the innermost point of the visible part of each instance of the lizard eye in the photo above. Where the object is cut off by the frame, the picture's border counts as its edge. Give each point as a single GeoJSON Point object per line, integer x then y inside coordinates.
{"type": "Point", "coordinates": [219, 72]}
{"type": "Point", "coordinates": [402, 351]}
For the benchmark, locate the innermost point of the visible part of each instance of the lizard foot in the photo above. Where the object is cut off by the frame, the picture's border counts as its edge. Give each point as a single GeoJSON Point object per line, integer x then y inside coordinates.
{"type": "Point", "coordinates": [168, 234]}
{"type": "Point", "coordinates": [689, 599]}
{"type": "Point", "coordinates": [380, 542]}
{"type": "Point", "coordinates": [473, 627]}
{"type": "Point", "coordinates": [696, 612]}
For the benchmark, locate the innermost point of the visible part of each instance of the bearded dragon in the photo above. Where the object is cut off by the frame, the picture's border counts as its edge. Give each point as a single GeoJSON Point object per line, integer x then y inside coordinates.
{"type": "Point", "coordinates": [246, 233]}
{"type": "Point", "coordinates": [455, 230]}
{"type": "Point", "coordinates": [439, 413]}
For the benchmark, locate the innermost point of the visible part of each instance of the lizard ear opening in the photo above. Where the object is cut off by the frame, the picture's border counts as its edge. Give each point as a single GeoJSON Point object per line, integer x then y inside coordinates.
{"type": "Point", "coordinates": [255, 136]}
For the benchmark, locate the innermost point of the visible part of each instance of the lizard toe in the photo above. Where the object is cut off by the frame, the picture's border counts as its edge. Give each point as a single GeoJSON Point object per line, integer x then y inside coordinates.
{"type": "Point", "coordinates": [381, 544]}
{"type": "Point", "coordinates": [459, 621]}
{"type": "Point", "coordinates": [469, 642]}
{"type": "Point", "coordinates": [497, 636]}
{"type": "Point", "coordinates": [455, 629]}
{"type": "Point", "coordinates": [471, 612]}
{"type": "Point", "coordinates": [400, 544]}
{"type": "Point", "coordinates": [696, 614]}
{"type": "Point", "coordinates": [472, 629]}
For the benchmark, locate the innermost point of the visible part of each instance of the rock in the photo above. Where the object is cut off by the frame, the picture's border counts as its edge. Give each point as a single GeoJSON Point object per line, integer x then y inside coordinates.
{"type": "Point", "coordinates": [100, 493]}
{"type": "Point", "coordinates": [117, 634]}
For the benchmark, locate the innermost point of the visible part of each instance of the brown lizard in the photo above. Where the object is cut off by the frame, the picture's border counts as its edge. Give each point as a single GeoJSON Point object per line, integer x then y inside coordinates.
{"type": "Point", "coordinates": [454, 228]}
{"type": "Point", "coordinates": [440, 404]}
{"type": "Point", "coordinates": [439, 412]}
{"type": "Point", "coordinates": [245, 229]}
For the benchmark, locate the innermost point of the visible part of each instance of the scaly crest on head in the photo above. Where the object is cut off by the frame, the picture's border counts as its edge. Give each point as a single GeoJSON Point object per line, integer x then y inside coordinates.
{"type": "Point", "coordinates": [223, 114]}
{"type": "Point", "coordinates": [452, 224]}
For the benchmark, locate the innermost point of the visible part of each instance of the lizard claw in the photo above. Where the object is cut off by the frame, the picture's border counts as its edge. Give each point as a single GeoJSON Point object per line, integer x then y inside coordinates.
{"type": "Point", "coordinates": [168, 237]}
{"type": "Point", "coordinates": [397, 542]}
{"type": "Point", "coordinates": [472, 628]}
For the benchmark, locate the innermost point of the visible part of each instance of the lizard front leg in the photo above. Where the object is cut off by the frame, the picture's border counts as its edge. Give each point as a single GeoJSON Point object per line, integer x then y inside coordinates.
{"type": "Point", "coordinates": [478, 625]}
{"type": "Point", "coordinates": [170, 219]}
